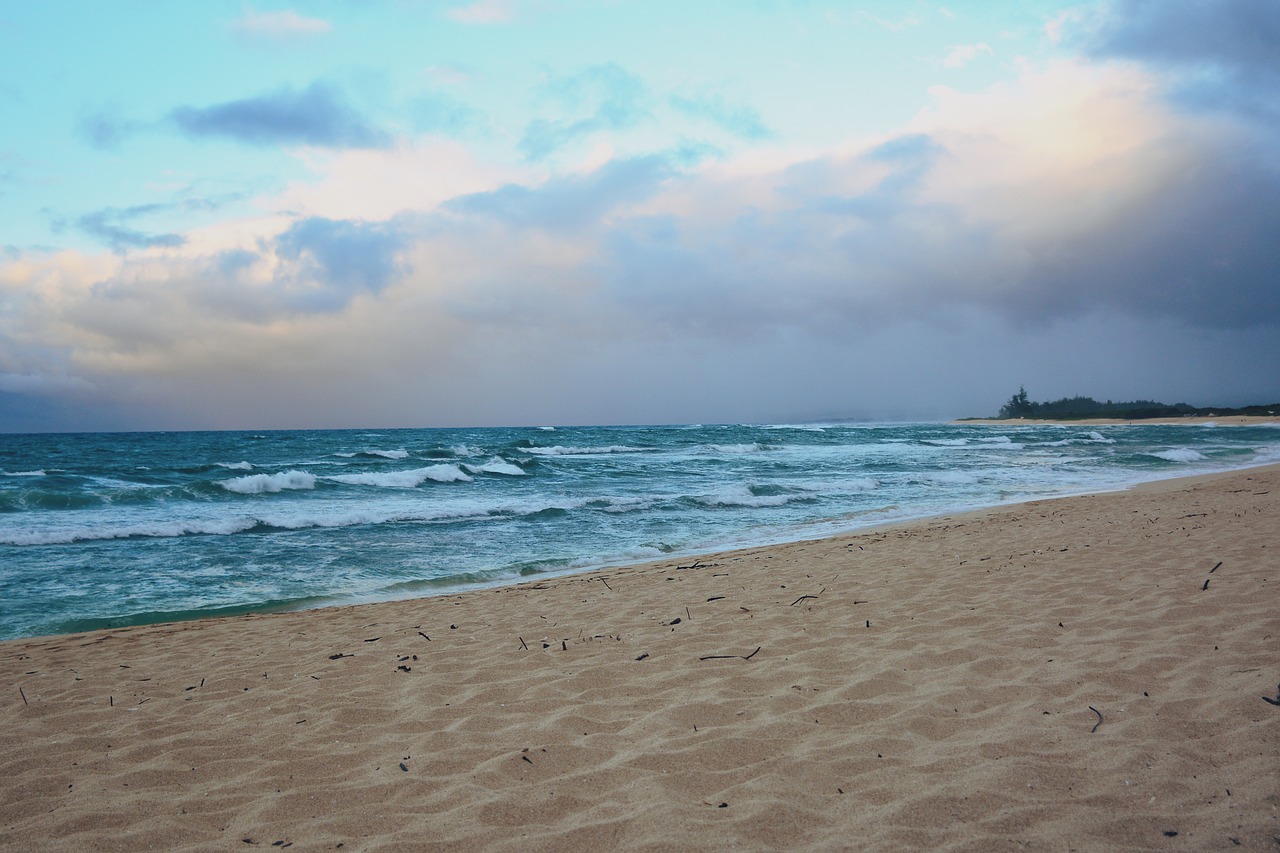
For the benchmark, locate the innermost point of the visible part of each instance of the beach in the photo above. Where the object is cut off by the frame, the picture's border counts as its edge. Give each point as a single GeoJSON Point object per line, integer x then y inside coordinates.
{"type": "Point", "coordinates": [1083, 673]}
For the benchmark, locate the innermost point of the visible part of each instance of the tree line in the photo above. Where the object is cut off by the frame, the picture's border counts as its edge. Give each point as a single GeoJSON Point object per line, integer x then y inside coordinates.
{"type": "Point", "coordinates": [1077, 408]}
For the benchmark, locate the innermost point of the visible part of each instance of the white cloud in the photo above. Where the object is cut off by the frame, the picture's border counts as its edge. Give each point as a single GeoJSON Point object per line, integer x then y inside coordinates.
{"type": "Point", "coordinates": [961, 55]}
{"type": "Point", "coordinates": [483, 12]}
{"type": "Point", "coordinates": [282, 24]}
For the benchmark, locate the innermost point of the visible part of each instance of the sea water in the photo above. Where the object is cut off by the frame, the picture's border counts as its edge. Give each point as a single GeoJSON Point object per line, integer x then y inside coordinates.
{"type": "Point", "coordinates": [101, 530]}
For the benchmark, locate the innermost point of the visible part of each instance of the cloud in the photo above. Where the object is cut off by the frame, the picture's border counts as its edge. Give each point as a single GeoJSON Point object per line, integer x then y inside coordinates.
{"type": "Point", "coordinates": [332, 260]}
{"type": "Point", "coordinates": [483, 12]}
{"type": "Point", "coordinates": [603, 98]}
{"type": "Point", "coordinates": [893, 25]}
{"type": "Point", "coordinates": [1071, 229]}
{"type": "Point", "coordinates": [285, 23]}
{"type": "Point", "coordinates": [572, 202]}
{"type": "Point", "coordinates": [107, 131]}
{"type": "Point", "coordinates": [960, 55]}
{"type": "Point", "coordinates": [108, 226]}
{"type": "Point", "coordinates": [1222, 52]}
{"type": "Point", "coordinates": [317, 115]}
{"type": "Point", "coordinates": [449, 75]}
{"type": "Point", "coordinates": [739, 119]}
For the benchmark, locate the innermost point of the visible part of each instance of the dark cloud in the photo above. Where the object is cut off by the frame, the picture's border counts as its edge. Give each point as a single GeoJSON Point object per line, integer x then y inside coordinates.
{"type": "Point", "coordinates": [336, 259]}
{"type": "Point", "coordinates": [317, 115]}
{"type": "Point", "coordinates": [109, 226]}
{"type": "Point", "coordinates": [1226, 53]}
{"type": "Point", "coordinates": [738, 119]}
{"type": "Point", "coordinates": [603, 97]}
{"type": "Point", "coordinates": [569, 202]}
{"type": "Point", "coordinates": [1203, 248]}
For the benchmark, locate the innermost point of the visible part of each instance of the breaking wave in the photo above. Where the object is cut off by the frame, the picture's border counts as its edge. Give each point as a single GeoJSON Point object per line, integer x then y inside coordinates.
{"type": "Point", "coordinates": [257, 484]}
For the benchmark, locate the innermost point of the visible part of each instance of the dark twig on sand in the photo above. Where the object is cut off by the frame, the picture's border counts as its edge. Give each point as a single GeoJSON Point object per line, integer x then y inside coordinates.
{"type": "Point", "coordinates": [1095, 725]}
{"type": "Point", "coordinates": [730, 657]}
{"type": "Point", "coordinates": [24, 696]}
{"type": "Point", "coordinates": [1215, 568]}
{"type": "Point", "coordinates": [800, 599]}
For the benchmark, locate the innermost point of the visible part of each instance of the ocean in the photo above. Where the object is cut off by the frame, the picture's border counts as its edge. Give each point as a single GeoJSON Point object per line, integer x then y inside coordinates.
{"type": "Point", "coordinates": [113, 529]}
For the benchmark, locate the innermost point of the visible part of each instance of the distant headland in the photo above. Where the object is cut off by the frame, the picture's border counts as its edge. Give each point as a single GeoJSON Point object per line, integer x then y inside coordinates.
{"type": "Point", "coordinates": [1020, 407]}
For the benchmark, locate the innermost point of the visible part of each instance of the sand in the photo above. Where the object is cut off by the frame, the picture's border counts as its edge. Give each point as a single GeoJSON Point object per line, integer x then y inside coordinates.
{"type": "Point", "coordinates": [1084, 674]}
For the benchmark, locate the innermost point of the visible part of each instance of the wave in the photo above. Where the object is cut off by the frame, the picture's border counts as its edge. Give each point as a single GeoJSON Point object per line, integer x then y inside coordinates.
{"type": "Point", "coordinates": [156, 530]}
{"type": "Point", "coordinates": [256, 484]}
{"type": "Point", "coordinates": [734, 449]}
{"type": "Point", "coordinates": [754, 496]}
{"type": "Point", "coordinates": [497, 465]}
{"type": "Point", "coordinates": [404, 479]}
{"type": "Point", "coordinates": [376, 454]}
{"type": "Point", "coordinates": [236, 466]}
{"type": "Point", "coordinates": [1178, 454]}
{"type": "Point", "coordinates": [25, 474]}
{"type": "Point", "coordinates": [289, 520]}
{"type": "Point", "coordinates": [560, 450]}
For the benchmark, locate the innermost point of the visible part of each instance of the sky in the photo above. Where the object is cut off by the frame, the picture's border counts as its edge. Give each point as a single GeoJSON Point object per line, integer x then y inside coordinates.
{"type": "Point", "coordinates": [413, 213]}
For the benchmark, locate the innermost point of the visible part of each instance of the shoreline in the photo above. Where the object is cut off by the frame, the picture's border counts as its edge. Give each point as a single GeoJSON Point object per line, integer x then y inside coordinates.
{"type": "Point", "coordinates": [1224, 420]}
{"type": "Point", "coordinates": [1082, 671]}
{"type": "Point", "coordinates": [233, 611]}
{"type": "Point", "coordinates": [143, 620]}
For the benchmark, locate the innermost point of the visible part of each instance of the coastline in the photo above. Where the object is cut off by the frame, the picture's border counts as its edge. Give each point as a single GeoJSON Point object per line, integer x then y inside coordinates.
{"type": "Point", "coordinates": [920, 684]}
{"type": "Point", "coordinates": [1225, 420]}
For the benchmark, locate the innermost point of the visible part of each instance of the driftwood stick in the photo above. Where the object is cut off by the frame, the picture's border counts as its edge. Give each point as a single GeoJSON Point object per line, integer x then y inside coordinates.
{"type": "Point", "coordinates": [730, 657]}
{"type": "Point", "coordinates": [1095, 725]}
{"type": "Point", "coordinates": [24, 696]}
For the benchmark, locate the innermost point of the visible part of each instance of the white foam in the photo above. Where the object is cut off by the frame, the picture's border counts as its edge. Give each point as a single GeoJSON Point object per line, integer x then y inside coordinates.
{"type": "Point", "coordinates": [497, 465]}
{"type": "Point", "coordinates": [256, 484]}
{"type": "Point", "coordinates": [950, 478]}
{"type": "Point", "coordinates": [752, 447]}
{"type": "Point", "coordinates": [560, 450]}
{"type": "Point", "coordinates": [389, 454]}
{"type": "Point", "coordinates": [404, 479]}
{"type": "Point", "coordinates": [947, 442]}
{"type": "Point", "coordinates": [1178, 454]}
{"type": "Point", "coordinates": [216, 527]}
{"type": "Point", "coordinates": [25, 474]}
{"type": "Point", "coordinates": [236, 466]}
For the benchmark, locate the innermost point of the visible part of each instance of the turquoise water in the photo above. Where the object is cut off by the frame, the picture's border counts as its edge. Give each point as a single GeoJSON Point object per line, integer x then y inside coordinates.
{"type": "Point", "coordinates": [99, 530]}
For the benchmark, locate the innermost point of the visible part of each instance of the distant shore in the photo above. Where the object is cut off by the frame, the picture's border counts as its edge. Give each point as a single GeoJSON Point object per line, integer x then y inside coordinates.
{"type": "Point", "coordinates": [1085, 672]}
{"type": "Point", "coordinates": [1225, 420]}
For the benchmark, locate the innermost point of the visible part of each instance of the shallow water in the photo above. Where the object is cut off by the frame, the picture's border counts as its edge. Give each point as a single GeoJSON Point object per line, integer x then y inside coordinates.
{"type": "Point", "coordinates": [125, 528]}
